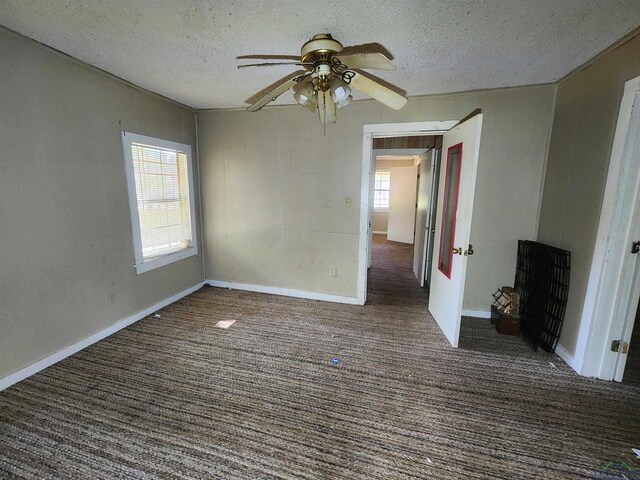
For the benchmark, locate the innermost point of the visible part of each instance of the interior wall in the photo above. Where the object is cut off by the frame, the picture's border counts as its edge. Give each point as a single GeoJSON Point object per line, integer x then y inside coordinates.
{"type": "Point", "coordinates": [66, 231]}
{"type": "Point", "coordinates": [386, 164]}
{"type": "Point", "coordinates": [584, 125]}
{"type": "Point", "coordinates": [380, 218]}
{"type": "Point", "coordinates": [274, 188]}
{"type": "Point", "coordinates": [380, 221]}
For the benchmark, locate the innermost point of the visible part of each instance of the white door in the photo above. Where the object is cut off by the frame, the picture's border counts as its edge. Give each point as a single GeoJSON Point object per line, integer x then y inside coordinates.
{"type": "Point", "coordinates": [627, 305]}
{"type": "Point", "coordinates": [402, 203]}
{"type": "Point", "coordinates": [431, 218]}
{"type": "Point", "coordinates": [629, 293]}
{"type": "Point", "coordinates": [631, 311]}
{"type": "Point", "coordinates": [372, 183]}
{"type": "Point", "coordinates": [424, 199]}
{"type": "Point", "coordinates": [458, 167]}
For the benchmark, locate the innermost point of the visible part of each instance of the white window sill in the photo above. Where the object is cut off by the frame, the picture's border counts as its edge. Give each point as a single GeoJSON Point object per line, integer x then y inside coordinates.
{"type": "Point", "coordinates": [163, 260]}
{"type": "Point", "coordinates": [383, 210]}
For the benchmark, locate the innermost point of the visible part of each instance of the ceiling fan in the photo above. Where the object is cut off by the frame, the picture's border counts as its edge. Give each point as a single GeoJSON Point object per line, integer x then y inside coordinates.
{"type": "Point", "coordinates": [330, 72]}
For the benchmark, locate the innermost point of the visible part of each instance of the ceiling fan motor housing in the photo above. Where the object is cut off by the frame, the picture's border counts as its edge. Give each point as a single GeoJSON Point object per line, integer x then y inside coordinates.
{"type": "Point", "coordinates": [320, 49]}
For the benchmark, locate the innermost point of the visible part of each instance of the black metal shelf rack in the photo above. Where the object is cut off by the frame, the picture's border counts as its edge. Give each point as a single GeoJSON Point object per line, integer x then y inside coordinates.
{"type": "Point", "coordinates": [542, 281]}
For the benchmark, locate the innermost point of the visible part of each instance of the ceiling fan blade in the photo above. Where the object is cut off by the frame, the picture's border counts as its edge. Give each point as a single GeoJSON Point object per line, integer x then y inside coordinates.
{"type": "Point", "coordinates": [269, 57]}
{"type": "Point", "coordinates": [372, 61]}
{"type": "Point", "coordinates": [375, 90]}
{"type": "Point", "coordinates": [272, 64]}
{"type": "Point", "coordinates": [326, 108]}
{"type": "Point", "coordinates": [275, 91]}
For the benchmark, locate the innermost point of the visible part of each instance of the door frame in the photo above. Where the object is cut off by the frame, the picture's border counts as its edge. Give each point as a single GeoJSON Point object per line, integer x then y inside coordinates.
{"type": "Point", "coordinates": [604, 313]}
{"type": "Point", "coordinates": [370, 132]}
{"type": "Point", "coordinates": [436, 156]}
{"type": "Point", "coordinates": [425, 243]}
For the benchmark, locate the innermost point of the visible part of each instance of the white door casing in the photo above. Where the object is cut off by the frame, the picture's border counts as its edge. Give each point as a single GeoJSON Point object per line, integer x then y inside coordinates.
{"type": "Point", "coordinates": [431, 218]}
{"type": "Point", "coordinates": [605, 310]}
{"type": "Point", "coordinates": [461, 148]}
{"type": "Point", "coordinates": [630, 293]}
{"type": "Point", "coordinates": [371, 212]}
{"type": "Point", "coordinates": [424, 199]}
{"type": "Point", "coordinates": [402, 204]}
{"type": "Point", "coordinates": [370, 132]}
{"type": "Point", "coordinates": [625, 225]}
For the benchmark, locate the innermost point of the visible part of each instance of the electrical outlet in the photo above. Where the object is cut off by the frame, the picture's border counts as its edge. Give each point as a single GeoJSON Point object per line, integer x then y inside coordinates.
{"type": "Point", "coordinates": [332, 271]}
{"type": "Point", "coordinates": [111, 298]}
{"type": "Point", "coordinates": [347, 202]}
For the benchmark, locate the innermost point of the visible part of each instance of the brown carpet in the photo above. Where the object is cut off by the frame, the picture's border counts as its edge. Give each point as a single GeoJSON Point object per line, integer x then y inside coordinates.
{"type": "Point", "coordinates": [175, 397]}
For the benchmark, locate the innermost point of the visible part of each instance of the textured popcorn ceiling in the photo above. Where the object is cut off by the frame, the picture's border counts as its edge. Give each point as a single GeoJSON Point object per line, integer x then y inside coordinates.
{"type": "Point", "coordinates": [186, 50]}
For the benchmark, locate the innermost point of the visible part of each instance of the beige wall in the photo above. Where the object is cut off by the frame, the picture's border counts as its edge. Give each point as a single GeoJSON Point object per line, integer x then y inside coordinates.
{"type": "Point", "coordinates": [385, 164]}
{"type": "Point", "coordinates": [274, 185]}
{"type": "Point", "coordinates": [381, 219]}
{"type": "Point", "coordinates": [583, 128]}
{"type": "Point", "coordinates": [66, 231]}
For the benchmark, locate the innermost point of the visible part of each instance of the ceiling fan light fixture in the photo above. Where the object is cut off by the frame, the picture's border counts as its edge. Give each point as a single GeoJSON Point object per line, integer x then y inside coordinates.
{"type": "Point", "coordinates": [304, 94]}
{"type": "Point", "coordinates": [340, 91]}
{"type": "Point", "coordinates": [346, 101]}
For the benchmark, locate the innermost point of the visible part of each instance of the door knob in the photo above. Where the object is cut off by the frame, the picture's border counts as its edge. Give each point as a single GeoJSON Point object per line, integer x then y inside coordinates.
{"type": "Point", "coordinates": [469, 251]}
{"type": "Point", "coordinates": [457, 251]}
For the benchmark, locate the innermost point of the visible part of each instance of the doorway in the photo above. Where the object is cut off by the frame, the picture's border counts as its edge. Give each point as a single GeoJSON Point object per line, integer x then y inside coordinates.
{"type": "Point", "coordinates": [402, 194]}
{"type": "Point", "coordinates": [372, 132]}
{"type": "Point", "coordinates": [631, 374]}
{"type": "Point", "coordinates": [613, 291]}
{"type": "Point", "coordinates": [445, 302]}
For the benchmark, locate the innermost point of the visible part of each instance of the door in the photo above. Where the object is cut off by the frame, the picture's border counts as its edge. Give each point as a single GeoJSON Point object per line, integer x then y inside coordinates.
{"type": "Point", "coordinates": [372, 182]}
{"type": "Point", "coordinates": [431, 220]}
{"type": "Point", "coordinates": [458, 167]}
{"type": "Point", "coordinates": [627, 332]}
{"type": "Point", "coordinates": [402, 204]}
{"type": "Point", "coordinates": [424, 194]}
{"type": "Point", "coordinates": [630, 294]}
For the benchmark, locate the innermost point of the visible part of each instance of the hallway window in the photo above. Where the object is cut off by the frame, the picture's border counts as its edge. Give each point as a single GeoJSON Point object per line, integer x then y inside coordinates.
{"type": "Point", "coordinates": [381, 193]}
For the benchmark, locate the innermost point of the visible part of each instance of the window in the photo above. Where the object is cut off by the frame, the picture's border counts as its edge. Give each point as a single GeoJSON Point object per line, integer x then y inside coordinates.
{"type": "Point", "coordinates": [381, 192]}
{"type": "Point", "coordinates": [159, 179]}
{"type": "Point", "coordinates": [450, 209]}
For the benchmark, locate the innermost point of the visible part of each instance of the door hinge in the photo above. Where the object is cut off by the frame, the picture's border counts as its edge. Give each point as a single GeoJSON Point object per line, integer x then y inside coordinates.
{"type": "Point", "coordinates": [635, 247]}
{"type": "Point", "coordinates": [615, 346]}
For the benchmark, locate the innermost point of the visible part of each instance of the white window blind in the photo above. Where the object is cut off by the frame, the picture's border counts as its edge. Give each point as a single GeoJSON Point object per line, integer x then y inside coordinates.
{"type": "Point", "coordinates": [382, 183]}
{"type": "Point", "coordinates": [162, 199]}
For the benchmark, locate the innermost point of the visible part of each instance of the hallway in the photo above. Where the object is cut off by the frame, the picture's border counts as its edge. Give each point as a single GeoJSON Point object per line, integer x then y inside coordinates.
{"type": "Point", "coordinates": [390, 279]}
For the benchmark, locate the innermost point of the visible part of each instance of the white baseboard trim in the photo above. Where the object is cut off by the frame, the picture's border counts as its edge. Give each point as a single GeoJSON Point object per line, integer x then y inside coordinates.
{"type": "Point", "coordinates": [567, 357]}
{"type": "Point", "coordinates": [477, 313]}
{"type": "Point", "coordinates": [286, 292]}
{"type": "Point", "coordinates": [34, 368]}
{"type": "Point", "coordinates": [380, 233]}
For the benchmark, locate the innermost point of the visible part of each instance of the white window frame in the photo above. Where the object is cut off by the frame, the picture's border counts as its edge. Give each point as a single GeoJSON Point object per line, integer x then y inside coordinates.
{"type": "Point", "coordinates": [141, 264]}
{"type": "Point", "coordinates": [381, 209]}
